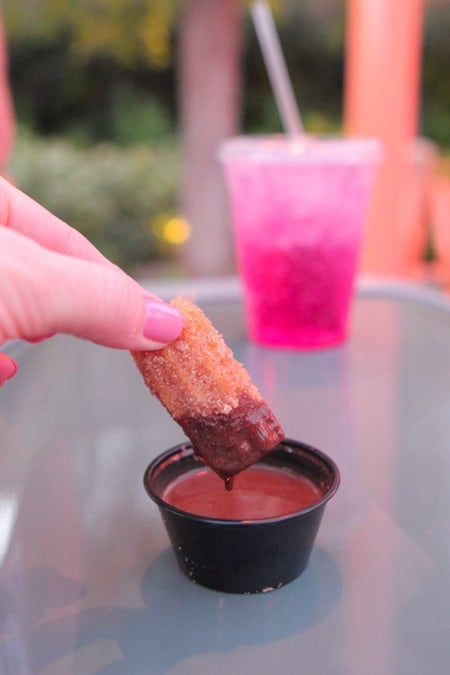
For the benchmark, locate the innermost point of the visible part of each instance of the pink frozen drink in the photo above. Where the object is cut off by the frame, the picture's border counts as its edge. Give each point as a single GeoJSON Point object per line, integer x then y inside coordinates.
{"type": "Point", "coordinates": [298, 209]}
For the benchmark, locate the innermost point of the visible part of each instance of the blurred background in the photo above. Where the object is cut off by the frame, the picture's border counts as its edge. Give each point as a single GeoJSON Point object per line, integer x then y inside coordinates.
{"type": "Point", "coordinates": [117, 108]}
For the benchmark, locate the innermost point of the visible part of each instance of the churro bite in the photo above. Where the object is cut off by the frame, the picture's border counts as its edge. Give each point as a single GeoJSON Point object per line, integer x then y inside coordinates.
{"type": "Point", "coordinates": [210, 395]}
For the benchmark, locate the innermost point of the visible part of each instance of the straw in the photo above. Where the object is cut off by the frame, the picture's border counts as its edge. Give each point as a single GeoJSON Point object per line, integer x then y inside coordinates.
{"type": "Point", "coordinates": [276, 68]}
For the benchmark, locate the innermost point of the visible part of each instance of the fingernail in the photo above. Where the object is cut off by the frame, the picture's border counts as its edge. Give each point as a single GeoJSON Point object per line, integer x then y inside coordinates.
{"type": "Point", "coordinates": [39, 338]}
{"type": "Point", "coordinates": [8, 368]}
{"type": "Point", "coordinates": [162, 323]}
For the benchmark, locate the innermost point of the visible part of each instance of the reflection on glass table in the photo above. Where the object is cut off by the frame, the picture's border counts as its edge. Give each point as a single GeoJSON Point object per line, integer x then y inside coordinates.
{"type": "Point", "coordinates": [88, 583]}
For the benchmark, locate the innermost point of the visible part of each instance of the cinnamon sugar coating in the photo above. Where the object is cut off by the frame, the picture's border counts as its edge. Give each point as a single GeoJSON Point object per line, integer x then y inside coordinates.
{"type": "Point", "coordinates": [200, 383]}
{"type": "Point", "coordinates": [197, 374]}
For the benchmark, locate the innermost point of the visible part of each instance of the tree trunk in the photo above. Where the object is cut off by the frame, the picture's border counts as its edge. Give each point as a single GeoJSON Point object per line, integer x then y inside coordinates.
{"type": "Point", "coordinates": [209, 103]}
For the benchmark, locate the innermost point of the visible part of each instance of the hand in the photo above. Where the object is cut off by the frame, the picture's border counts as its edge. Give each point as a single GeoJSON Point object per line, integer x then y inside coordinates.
{"type": "Point", "coordinates": [53, 280]}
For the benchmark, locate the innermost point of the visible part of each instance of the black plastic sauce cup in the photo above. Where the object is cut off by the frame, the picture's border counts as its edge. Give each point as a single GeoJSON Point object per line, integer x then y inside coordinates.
{"type": "Point", "coordinates": [236, 556]}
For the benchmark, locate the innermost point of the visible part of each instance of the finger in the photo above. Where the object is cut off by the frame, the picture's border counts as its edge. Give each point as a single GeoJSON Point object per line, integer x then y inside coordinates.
{"type": "Point", "coordinates": [8, 368]}
{"type": "Point", "coordinates": [45, 292]}
{"type": "Point", "coordinates": [22, 214]}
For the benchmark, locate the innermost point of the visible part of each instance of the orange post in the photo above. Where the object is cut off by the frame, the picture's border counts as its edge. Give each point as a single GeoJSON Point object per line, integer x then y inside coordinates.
{"type": "Point", "coordinates": [439, 197]}
{"type": "Point", "coordinates": [382, 76]}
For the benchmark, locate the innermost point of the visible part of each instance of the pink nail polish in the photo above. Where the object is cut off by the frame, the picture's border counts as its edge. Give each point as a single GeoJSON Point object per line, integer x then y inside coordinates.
{"type": "Point", "coordinates": [8, 368]}
{"type": "Point", "coordinates": [162, 323]}
{"type": "Point", "coordinates": [39, 338]}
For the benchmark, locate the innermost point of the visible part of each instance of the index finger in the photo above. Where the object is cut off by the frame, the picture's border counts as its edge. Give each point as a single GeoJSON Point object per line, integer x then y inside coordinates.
{"type": "Point", "coordinates": [24, 215]}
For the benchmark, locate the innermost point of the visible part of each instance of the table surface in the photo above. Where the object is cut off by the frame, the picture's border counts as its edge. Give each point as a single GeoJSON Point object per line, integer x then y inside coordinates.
{"type": "Point", "coordinates": [88, 583]}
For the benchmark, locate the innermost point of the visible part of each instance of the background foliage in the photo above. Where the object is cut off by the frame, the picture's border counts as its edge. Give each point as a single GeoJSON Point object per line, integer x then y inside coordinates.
{"type": "Point", "coordinates": [97, 80]}
{"type": "Point", "coordinates": [116, 196]}
{"type": "Point", "coordinates": [76, 67]}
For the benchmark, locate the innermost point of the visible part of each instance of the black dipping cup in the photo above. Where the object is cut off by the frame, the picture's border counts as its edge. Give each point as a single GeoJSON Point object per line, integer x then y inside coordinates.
{"type": "Point", "coordinates": [235, 556]}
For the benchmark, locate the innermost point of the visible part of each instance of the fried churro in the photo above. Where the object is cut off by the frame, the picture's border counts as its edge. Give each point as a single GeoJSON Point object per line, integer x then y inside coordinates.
{"type": "Point", "coordinates": [210, 395]}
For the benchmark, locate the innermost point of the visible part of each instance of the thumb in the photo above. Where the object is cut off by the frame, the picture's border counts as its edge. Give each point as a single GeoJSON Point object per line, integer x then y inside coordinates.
{"type": "Point", "coordinates": [44, 292]}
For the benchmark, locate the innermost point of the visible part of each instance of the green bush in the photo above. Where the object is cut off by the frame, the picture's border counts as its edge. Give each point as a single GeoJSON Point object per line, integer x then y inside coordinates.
{"type": "Point", "coordinates": [139, 118]}
{"type": "Point", "coordinates": [114, 195]}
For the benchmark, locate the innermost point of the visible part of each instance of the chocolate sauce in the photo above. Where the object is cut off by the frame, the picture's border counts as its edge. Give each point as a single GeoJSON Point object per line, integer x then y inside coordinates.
{"type": "Point", "coordinates": [260, 491]}
{"type": "Point", "coordinates": [229, 443]}
{"type": "Point", "coordinates": [229, 483]}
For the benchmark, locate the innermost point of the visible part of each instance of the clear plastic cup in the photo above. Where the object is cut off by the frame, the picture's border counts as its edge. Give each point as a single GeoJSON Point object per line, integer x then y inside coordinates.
{"type": "Point", "coordinates": [298, 209]}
